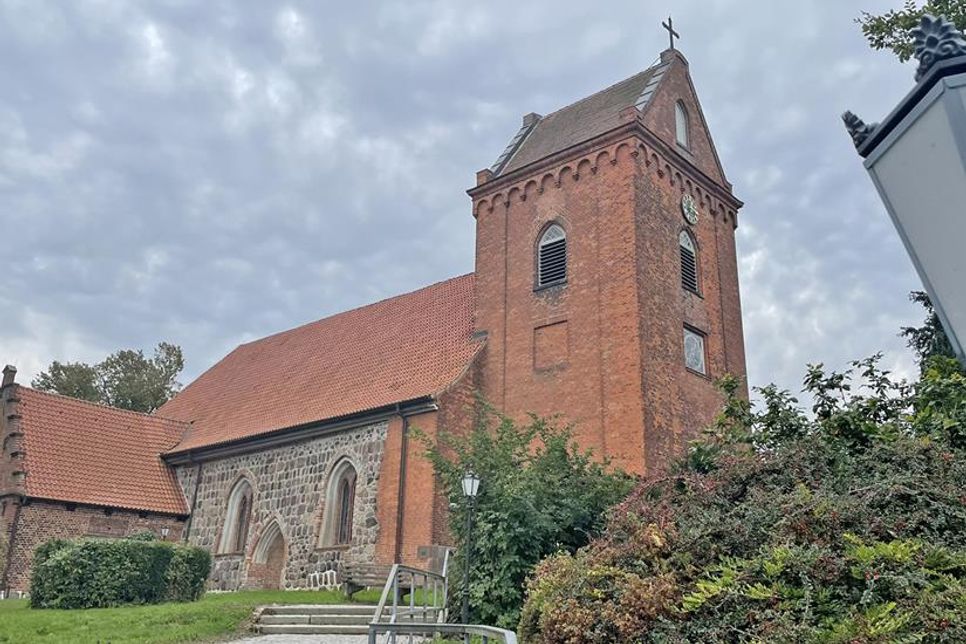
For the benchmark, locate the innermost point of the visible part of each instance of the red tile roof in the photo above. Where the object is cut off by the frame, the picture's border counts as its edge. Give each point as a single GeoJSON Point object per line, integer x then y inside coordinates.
{"type": "Point", "coordinates": [399, 349]}
{"type": "Point", "coordinates": [83, 452]}
{"type": "Point", "coordinates": [581, 121]}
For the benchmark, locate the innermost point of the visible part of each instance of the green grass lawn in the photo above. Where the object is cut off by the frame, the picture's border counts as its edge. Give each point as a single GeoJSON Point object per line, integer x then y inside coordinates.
{"type": "Point", "coordinates": [214, 617]}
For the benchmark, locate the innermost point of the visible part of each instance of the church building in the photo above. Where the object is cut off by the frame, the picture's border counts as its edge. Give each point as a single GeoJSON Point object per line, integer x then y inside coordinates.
{"type": "Point", "coordinates": [605, 290]}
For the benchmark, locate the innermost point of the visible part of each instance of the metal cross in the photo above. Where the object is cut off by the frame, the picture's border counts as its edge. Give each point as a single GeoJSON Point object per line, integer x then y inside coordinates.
{"type": "Point", "coordinates": [669, 25]}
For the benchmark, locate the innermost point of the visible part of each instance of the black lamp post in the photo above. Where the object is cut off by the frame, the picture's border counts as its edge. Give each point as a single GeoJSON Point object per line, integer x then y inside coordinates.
{"type": "Point", "coordinates": [471, 485]}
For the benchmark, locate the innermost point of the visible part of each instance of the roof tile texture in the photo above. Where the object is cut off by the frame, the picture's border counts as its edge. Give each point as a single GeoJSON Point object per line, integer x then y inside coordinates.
{"type": "Point", "coordinates": [579, 122]}
{"type": "Point", "coordinates": [399, 349]}
{"type": "Point", "coordinates": [83, 452]}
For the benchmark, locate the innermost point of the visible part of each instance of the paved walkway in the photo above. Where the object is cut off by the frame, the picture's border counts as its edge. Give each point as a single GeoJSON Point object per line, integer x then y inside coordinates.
{"type": "Point", "coordinates": [303, 639]}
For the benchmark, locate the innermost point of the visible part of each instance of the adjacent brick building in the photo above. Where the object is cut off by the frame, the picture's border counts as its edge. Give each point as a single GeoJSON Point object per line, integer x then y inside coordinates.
{"type": "Point", "coordinates": [605, 290]}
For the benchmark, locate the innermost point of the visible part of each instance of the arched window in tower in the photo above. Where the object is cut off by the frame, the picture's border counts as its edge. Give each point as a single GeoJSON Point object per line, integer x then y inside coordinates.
{"type": "Point", "coordinates": [681, 125]}
{"type": "Point", "coordinates": [237, 519]}
{"type": "Point", "coordinates": [339, 506]}
{"type": "Point", "coordinates": [552, 257]}
{"type": "Point", "coordinates": [689, 262]}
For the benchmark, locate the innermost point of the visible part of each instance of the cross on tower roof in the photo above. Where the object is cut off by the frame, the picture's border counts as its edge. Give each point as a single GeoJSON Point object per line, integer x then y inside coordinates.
{"type": "Point", "coordinates": [669, 25]}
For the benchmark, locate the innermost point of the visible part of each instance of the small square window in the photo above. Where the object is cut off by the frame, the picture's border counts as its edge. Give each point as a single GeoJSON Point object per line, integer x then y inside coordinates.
{"type": "Point", "coordinates": [694, 356]}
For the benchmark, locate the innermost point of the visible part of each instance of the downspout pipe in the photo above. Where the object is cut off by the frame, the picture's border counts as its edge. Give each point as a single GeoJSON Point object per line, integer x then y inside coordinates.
{"type": "Point", "coordinates": [194, 502]}
{"type": "Point", "coordinates": [401, 497]}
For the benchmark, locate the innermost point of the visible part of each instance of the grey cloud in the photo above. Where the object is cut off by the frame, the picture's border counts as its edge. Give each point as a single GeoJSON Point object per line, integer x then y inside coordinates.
{"type": "Point", "coordinates": [207, 173]}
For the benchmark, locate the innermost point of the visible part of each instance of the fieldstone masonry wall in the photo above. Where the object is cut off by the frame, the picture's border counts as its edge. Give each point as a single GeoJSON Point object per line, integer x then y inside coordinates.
{"type": "Point", "coordinates": [290, 485]}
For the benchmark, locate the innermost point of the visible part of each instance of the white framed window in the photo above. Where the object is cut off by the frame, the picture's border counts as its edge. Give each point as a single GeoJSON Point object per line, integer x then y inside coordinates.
{"type": "Point", "coordinates": [689, 262]}
{"type": "Point", "coordinates": [681, 125]}
{"type": "Point", "coordinates": [234, 533]}
{"type": "Point", "coordinates": [552, 256]}
{"type": "Point", "coordinates": [694, 351]}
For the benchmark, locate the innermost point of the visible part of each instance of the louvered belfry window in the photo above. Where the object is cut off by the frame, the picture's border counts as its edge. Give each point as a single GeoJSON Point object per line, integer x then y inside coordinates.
{"type": "Point", "coordinates": [552, 257]}
{"type": "Point", "coordinates": [689, 262]}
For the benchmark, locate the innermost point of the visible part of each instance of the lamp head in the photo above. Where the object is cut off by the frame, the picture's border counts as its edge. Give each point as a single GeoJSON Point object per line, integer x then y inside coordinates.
{"type": "Point", "coordinates": [471, 484]}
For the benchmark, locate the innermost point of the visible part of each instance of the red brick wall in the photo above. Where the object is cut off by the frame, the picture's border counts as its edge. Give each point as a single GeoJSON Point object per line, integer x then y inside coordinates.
{"type": "Point", "coordinates": [42, 521]}
{"type": "Point", "coordinates": [618, 369]}
{"type": "Point", "coordinates": [594, 380]}
{"type": "Point", "coordinates": [424, 504]}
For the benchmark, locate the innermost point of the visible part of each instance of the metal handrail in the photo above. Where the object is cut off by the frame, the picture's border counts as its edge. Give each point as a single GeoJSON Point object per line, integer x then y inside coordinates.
{"type": "Point", "coordinates": [437, 610]}
{"type": "Point", "coordinates": [432, 582]}
{"type": "Point", "coordinates": [487, 633]}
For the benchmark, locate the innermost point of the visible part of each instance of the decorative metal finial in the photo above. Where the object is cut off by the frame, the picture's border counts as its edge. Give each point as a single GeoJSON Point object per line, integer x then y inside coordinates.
{"type": "Point", "coordinates": [669, 25]}
{"type": "Point", "coordinates": [936, 39]}
{"type": "Point", "coordinates": [858, 129]}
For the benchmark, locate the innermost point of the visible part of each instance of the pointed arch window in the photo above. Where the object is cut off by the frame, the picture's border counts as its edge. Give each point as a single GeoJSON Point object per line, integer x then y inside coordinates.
{"type": "Point", "coordinates": [681, 125]}
{"type": "Point", "coordinates": [689, 262]}
{"type": "Point", "coordinates": [234, 534]}
{"type": "Point", "coordinates": [552, 257]}
{"type": "Point", "coordinates": [339, 508]}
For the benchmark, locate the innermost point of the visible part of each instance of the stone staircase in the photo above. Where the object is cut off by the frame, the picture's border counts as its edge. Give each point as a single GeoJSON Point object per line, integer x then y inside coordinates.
{"type": "Point", "coordinates": [315, 619]}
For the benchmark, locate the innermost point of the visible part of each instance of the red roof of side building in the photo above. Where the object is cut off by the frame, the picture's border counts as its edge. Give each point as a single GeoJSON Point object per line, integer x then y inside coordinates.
{"type": "Point", "coordinates": [403, 348]}
{"type": "Point", "coordinates": [82, 452]}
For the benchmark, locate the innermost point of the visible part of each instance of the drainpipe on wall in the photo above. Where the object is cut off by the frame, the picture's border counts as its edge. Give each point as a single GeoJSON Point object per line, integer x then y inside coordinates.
{"type": "Point", "coordinates": [401, 500]}
{"type": "Point", "coordinates": [194, 502]}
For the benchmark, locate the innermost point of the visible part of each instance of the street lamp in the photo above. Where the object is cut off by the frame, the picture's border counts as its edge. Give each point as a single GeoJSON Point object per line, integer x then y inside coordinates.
{"type": "Point", "coordinates": [917, 160]}
{"type": "Point", "coordinates": [471, 486]}
{"type": "Point", "coordinates": [164, 533]}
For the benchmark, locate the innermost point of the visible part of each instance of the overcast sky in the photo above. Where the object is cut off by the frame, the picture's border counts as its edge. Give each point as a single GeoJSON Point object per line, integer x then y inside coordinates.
{"type": "Point", "coordinates": [207, 173]}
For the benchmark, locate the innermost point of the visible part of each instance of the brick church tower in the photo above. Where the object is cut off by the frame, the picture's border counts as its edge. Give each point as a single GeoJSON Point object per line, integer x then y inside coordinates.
{"type": "Point", "coordinates": [606, 273]}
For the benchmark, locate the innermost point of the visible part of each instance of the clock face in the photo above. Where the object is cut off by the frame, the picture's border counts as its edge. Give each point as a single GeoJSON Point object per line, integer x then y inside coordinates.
{"type": "Point", "coordinates": [689, 209]}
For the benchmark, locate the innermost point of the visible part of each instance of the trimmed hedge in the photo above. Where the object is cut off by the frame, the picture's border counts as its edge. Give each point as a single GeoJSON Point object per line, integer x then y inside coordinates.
{"type": "Point", "coordinates": [94, 573]}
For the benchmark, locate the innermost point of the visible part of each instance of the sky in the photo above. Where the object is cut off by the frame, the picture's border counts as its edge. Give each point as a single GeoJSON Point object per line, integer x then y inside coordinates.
{"type": "Point", "coordinates": [207, 173]}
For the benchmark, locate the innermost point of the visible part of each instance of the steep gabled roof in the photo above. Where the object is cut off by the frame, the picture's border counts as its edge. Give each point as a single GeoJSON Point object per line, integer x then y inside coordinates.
{"type": "Point", "coordinates": [400, 349]}
{"type": "Point", "coordinates": [581, 121]}
{"type": "Point", "coordinates": [82, 452]}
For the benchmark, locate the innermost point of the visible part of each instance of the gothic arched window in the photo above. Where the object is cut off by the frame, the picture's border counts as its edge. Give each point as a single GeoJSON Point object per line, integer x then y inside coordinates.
{"type": "Point", "coordinates": [552, 256]}
{"type": "Point", "coordinates": [689, 262]}
{"type": "Point", "coordinates": [237, 519]}
{"type": "Point", "coordinates": [681, 133]}
{"type": "Point", "coordinates": [339, 506]}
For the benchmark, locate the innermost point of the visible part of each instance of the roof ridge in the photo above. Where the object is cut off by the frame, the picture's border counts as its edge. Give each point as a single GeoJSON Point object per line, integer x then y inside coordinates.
{"type": "Point", "coordinates": [358, 308]}
{"type": "Point", "coordinates": [609, 87]}
{"type": "Point", "coordinates": [91, 403]}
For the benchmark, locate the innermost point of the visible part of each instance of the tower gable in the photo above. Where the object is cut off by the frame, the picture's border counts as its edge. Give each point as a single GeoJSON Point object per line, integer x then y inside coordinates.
{"type": "Point", "coordinates": [658, 116]}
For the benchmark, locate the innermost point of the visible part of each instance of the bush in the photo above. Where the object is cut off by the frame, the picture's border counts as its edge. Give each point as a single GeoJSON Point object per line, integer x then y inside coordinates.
{"type": "Point", "coordinates": [845, 526]}
{"type": "Point", "coordinates": [539, 494]}
{"type": "Point", "coordinates": [89, 573]}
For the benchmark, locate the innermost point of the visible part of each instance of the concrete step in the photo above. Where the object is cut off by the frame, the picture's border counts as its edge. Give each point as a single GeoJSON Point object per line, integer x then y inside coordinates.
{"type": "Point", "coordinates": [321, 609]}
{"type": "Point", "coordinates": [311, 629]}
{"type": "Point", "coordinates": [334, 620]}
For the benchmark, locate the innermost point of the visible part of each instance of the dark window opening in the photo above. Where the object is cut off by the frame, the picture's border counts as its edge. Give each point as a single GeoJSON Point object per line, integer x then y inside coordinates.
{"type": "Point", "coordinates": [689, 263]}
{"type": "Point", "coordinates": [552, 257]}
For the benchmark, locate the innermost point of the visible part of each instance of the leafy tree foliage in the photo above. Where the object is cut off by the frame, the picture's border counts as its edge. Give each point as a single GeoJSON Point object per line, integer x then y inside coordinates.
{"type": "Point", "coordinates": [844, 525]}
{"type": "Point", "coordinates": [74, 379]}
{"type": "Point", "coordinates": [125, 379]}
{"type": "Point", "coordinates": [890, 30]}
{"type": "Point", "coordinates": [538, 494]}
{"type": "Point", "coordinates": [930, 339]}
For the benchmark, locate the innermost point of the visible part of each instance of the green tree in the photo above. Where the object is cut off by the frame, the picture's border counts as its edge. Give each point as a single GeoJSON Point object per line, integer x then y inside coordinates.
{"type": "Point", "coordinates": [890, 30]}
{"type": "Point", "coordinates": [928, 340]}
{"type": "Point", "coordinates": [74, 379]}
{"type": "Point", "coordinates": [125, 379]}
{"type": "Point", "coordinates": [539, 494]}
